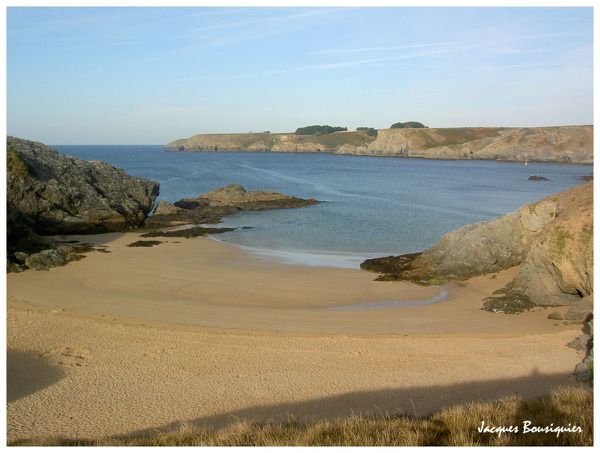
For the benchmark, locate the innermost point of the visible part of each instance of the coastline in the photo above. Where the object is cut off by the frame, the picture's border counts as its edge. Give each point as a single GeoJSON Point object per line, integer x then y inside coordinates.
{"type": "Point", "coordinates": [513, 144]}
{"type": "Point", "coordinates": [391, 156]}
{"type": "Point", "coordinates": [127, 341]}
{"type": "Point", "coordinates": [216, 284]}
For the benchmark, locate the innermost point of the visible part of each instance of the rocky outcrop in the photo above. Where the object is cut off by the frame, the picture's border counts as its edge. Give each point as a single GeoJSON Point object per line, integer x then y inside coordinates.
{"type": "Point", "coordinates": [551, 240]}
{"type": "Point", "coordinates": [50, 194]}
{"type": "Point", "coordinates": [584, 371]}
{"type": "Point", "coordinates": [212, 206]}
{"type": "Point", "coordinates": [547, 144]}
{"type": "Point", "coordinates": [62, 194]}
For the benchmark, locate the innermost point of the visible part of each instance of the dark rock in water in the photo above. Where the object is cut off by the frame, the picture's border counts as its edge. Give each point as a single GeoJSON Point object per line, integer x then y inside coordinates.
{"type": "Point", "coordinates": [586, 178]}
{"type": "Point", "coordinates": [49, 193]}
{"type": "Point", "coordinates": [144, 243]}
{"type": "Point", "coordinates": [212, 206]}
{"type": "Point", "coordinates": [64, 195]}
{"type": "Point", "coordinates": [537, 178]}
{"type": "Point", "coordinates": [186, 233]}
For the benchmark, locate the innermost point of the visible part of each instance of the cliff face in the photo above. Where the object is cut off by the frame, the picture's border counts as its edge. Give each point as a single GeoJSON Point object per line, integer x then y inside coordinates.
{"type": "Point", "coordinates": [551, 240]}
{"type": "Point", "coordinates": [550, 144]}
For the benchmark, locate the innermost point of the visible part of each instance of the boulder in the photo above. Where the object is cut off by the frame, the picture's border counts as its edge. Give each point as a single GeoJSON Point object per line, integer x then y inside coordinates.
{"type": "Point", "coordinates": [51, 194]}
{"type": "Point", "coordinates": [537, 178]}
{"type": "Point", "coordinates": [59, 194]}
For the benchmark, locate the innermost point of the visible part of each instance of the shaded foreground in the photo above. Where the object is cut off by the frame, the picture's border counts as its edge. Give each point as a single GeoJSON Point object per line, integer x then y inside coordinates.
{"type": "Point", "coordinates": [455, 426]}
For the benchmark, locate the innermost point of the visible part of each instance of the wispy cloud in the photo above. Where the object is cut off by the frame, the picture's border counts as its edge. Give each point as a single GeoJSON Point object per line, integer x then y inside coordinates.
{"type": "Point", "coordinates": [313, 67]}
{"type": "Point", "coordinates": [385, 48]}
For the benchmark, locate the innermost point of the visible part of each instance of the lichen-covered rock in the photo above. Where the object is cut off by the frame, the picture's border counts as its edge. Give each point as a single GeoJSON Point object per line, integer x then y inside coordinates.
{"type": "Point", "coordinates": [62, 195]}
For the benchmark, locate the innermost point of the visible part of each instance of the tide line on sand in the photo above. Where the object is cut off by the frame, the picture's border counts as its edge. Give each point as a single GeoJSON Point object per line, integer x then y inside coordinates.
{"type": "Point", "coordinates": [312, 259]}
{"type": "Point", "coordinates": [441, 297]}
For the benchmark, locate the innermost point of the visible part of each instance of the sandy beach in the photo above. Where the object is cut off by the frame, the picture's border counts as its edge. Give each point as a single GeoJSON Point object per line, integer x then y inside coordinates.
{"type": "Point", "coordinates": [197, 331]}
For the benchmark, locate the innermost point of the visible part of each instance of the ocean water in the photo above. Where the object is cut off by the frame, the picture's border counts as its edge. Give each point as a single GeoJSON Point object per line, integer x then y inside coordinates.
{"type": "Point", "coordinates": [370, 206]}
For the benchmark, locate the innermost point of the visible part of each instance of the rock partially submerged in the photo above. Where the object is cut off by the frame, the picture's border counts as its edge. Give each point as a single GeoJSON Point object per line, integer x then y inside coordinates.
{"type": "Point", "coordinates": [50, 194]}
{"type": "Point", "coordinates": [212, 206]}
{"type": "Point", "coordinates": [551, 241]}
{"type": "Point", "coordinates": [537, 178]}
{"type": "Point", "coordinates": [186, 232]}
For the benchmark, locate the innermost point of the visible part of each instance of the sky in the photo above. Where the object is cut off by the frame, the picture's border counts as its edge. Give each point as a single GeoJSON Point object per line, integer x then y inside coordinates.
{"type": "Point", "coordinates": [152, 75]}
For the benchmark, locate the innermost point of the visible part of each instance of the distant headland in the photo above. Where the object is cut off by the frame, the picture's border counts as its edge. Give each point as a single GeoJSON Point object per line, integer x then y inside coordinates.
{"type": "Point", "coordinates": [413, 139]}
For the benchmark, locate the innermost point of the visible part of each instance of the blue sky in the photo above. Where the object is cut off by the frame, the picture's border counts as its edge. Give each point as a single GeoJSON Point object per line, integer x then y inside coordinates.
{"type": "Point", "coordinates": [151, 75]}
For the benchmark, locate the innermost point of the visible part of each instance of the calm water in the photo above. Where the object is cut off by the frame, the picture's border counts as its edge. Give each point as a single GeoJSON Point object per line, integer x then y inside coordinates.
{"type": "Point", "coordinates": [372, 206]}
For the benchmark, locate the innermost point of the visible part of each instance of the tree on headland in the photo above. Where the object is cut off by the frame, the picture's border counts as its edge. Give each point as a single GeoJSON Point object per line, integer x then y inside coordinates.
{"type": "Point", "coordinates": [408, 124]}
{"type": "Point", "coordinates": [319, 130]}
{"type": "Point", "coordinates": [370, 131]}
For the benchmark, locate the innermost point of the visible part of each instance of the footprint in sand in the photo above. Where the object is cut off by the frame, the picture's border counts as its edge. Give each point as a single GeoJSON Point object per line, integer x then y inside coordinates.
{"type": "Point", "coordinates": [72, 357]}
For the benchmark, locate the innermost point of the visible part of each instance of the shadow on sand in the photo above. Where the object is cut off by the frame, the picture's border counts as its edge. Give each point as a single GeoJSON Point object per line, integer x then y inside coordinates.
{"type": "Point", "coordinates": [27, 373]}
{"type": "Point", "coordinates": [412, 401]}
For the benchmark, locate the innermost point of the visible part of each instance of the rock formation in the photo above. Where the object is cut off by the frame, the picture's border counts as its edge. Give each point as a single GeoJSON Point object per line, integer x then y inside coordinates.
{"type": "Point", "coordinates": [551, 240]}
{"type": "Point", "coordinates": [548, 144]}
{"type": "Point", "coordinates": [212, 206]}
{"type": "Point", "coordinates": [49, 194]}
{"type": "Point", "coordinates": [62, 194]}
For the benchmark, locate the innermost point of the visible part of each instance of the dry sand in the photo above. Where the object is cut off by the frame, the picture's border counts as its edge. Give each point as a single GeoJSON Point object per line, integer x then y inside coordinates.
{"type": "Point", "coordinates": [195, 331]}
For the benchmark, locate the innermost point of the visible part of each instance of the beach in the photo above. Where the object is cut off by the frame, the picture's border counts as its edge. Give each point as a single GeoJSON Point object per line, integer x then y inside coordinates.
{"type": "Point", "coordinates": [194, 331]}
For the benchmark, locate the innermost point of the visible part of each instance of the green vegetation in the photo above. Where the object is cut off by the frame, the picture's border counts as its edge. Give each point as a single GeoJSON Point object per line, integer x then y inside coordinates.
{"type": "Point", "coordinates": [561, 239]}
{"type": "Point", "coordinates": [587, 234]}
{"type": "Point", "coordinates": [319, 130]}
{"type": "Point", "coordinates": [454, 426]}
{"type": "Point", "coordinates": [370, 131]}
{"type": "Point", "coordinates": [408, 124]}
{"type": "Point", "coordinates": [266, 140]}
{"type": "Point", "coordinates": [334, 141]}
{"type": "Point", "coordinates": [15, 164]}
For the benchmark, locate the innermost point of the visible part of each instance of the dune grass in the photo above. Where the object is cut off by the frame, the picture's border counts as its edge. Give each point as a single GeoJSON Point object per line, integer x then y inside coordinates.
{"type": "Point", "coordinates": [455, 426]}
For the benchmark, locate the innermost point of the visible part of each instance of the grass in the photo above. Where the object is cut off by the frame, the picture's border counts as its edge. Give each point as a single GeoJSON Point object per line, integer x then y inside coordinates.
{"type": "Point", "coordinates": [459, 135]}
{"type": "Point", "coordinates": [455, 426]}
{"type": "Point", "coordinates": [337, 139]}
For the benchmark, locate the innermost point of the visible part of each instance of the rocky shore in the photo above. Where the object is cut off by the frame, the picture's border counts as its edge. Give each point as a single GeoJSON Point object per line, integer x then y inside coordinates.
{"type": "Point", "coordinates": [545, 144]}
{"type": "Point", "coordinates": [50, 194]}
{"type": "Point", "coordinates": [212, 206]}
{"type": "Point", "coordinates": [551, 241]}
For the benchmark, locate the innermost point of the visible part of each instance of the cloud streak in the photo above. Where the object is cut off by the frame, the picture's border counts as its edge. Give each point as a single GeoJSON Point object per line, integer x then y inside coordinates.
{"type": "Point", "coordinates": [313, 67]}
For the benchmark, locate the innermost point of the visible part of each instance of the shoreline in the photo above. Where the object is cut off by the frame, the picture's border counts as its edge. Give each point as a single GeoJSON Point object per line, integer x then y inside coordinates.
{"type": "Point", "coordinates": [217, 284]}
{"type": "Point", "coordinates": [197, 332]}
{"type": "Point", "coordinates": [394, 156]}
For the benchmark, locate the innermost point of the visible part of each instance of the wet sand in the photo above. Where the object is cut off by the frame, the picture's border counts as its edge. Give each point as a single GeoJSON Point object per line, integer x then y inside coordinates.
{"type": "Point", "coordinates": [197, 331]}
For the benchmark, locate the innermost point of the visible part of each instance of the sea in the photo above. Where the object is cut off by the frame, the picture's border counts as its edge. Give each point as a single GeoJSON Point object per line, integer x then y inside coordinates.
{"type": "Point", "coordinates": [369, 206]}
